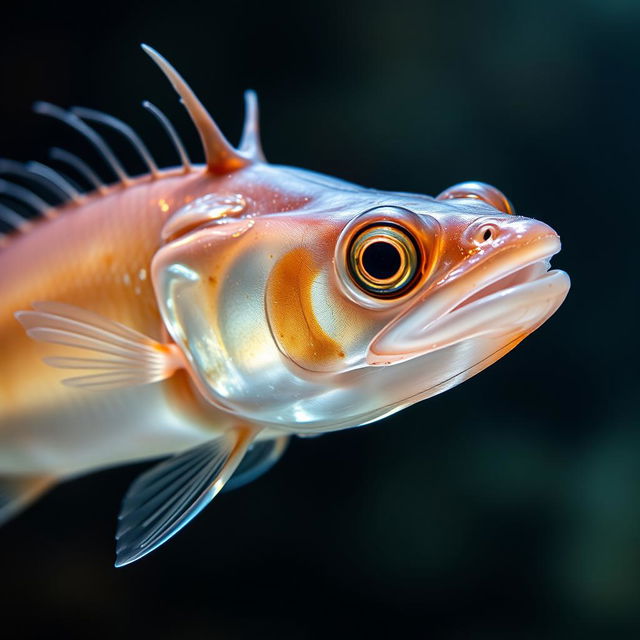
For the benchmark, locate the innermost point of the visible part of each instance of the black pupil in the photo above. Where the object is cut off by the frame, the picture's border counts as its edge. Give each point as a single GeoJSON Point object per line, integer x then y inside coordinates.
{"type": "Point", "coordinates": [381, 260]}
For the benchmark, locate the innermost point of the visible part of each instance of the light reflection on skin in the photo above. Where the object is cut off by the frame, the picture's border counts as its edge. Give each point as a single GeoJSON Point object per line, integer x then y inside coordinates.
{"type": "Point", "coordinates": [252, 319]}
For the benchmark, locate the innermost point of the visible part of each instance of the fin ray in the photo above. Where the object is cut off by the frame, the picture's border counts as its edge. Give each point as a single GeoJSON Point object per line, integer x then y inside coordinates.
{"type": "Point", "coordinates": [127, 131]}
{"type": "Point", "coordinates": [250, 144]}
{"type": "Point", "coordinates": [48, 109]}
{"type": "Point", "coordinates": [61, 183]}
{"type": "Point", "coordinates": [221, 157]}
{"type": "Point", "coordinates": [163, 500]}
{"type": "Point", "coordinates": [14, 219]}
{"type": "Point", "coordinates": [33, 174]}
{"type": "Point", "coordinates": [170, 496]}
{"type": "Point", "coordinates": [80, 166]}
{"type": "Point", "coordinates": [25, 196]}
{"type": "Point", "coordinates": [130, 358]}
{"type": "Point", "coordinates": [157, 492]}
{"type": "Point", "coordinates": [171, 132]}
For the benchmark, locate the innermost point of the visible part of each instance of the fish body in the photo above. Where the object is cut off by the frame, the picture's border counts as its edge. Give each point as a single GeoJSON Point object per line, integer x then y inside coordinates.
{"type": "Point", "coordinates": [45, 425]}
{"type": "Point", "coordinates": [213, 311]}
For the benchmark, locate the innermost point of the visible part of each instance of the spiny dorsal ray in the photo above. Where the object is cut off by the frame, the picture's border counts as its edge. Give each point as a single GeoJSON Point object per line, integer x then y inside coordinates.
{"type": "Point", "coordinates": [220, 156]}
{"type": "Point", "coordinates": [250, 145]}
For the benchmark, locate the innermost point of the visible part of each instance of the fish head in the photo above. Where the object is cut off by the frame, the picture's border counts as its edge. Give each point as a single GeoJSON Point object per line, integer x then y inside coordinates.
{"type": "Point", "coordinates": [357, 304]}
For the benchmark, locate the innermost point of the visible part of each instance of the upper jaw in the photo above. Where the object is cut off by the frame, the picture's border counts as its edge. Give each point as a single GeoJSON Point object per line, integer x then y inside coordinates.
{"type": "Point", "coordinates": [510, 291]}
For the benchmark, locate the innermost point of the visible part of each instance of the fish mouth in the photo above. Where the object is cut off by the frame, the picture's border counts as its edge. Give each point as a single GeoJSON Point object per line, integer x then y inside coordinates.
{"type": "Point", "coordinates": [511, 292]}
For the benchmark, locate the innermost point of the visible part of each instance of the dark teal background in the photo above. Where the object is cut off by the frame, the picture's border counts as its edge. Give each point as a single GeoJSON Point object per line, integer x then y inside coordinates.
{"type": "Point", "coordinates": [508, 507]}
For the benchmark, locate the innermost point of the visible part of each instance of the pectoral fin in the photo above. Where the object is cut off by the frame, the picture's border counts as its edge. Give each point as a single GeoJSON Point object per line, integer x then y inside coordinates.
{"type": "Point", "coordinates": [115, 355]}
{"type": "Point", "coordinates": [163, 500]}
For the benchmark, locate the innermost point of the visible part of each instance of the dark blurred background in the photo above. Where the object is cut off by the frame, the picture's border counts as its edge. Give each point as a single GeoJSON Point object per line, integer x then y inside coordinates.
{"type": "Point", "coordinates": [508, 507]}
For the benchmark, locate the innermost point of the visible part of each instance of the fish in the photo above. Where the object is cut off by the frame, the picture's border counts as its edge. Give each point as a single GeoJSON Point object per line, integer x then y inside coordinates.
{"type": "Point", "coordinates": [203, 314]}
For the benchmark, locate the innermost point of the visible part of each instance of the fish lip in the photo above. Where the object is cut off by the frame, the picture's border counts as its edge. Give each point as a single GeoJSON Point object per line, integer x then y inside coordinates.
{"type": "Point", "coordinates": [419, 331]}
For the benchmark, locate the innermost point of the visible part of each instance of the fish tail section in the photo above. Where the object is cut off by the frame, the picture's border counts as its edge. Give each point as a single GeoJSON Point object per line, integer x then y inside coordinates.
{"type": "Point", "coordinates": [17, 492]}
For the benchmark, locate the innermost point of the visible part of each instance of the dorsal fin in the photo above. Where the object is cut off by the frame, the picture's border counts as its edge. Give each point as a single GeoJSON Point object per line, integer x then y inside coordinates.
{"type": "Point", "coordinates": [220, 156]}
{"type": "Point", "coordinates": [171, 132]}
{"type": "Point", "coordinates": [250, 145]}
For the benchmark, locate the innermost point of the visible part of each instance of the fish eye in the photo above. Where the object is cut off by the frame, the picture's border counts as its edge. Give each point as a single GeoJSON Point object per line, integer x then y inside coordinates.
{"type": "Point", "coordinates": [383, 260]}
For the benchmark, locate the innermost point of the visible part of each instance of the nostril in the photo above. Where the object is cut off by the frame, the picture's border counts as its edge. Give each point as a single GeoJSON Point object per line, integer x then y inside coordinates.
{"type": "Point", "coordinates": [486, 233]}
{"type": "Point", "coordinates": [482, 234]}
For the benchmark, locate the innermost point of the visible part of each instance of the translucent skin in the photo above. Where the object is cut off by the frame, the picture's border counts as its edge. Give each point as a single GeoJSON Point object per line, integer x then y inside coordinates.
{"type": "Point", "coordinates": [256, 297]}
{"type": "Point", "coordinates": [96, 255]}
{"type": "Point", "coordinates": [274, 330]}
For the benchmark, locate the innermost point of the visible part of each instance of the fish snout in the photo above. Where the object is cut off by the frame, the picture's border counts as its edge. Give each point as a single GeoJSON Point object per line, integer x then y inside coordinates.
{"type": "Point", "coordinates": [503, 286]}
{"type": "Point", "coordinates": [505, 231]}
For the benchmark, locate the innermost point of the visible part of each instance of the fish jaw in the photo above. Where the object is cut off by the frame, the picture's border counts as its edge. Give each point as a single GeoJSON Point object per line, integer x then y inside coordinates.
{"type": "Point", "coordinates": [504, 290]}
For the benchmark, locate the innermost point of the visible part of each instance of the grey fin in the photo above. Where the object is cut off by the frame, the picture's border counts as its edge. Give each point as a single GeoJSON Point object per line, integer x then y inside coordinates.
{"type": "Point", "coordinates": [260, 457]}
{"type": "Point", "coordinates": [17, 492]}
{"type": "Point", "coordinates": [163, 500]}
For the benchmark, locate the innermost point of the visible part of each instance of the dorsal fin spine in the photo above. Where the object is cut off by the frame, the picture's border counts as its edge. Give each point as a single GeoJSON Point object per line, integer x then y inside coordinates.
{"type": "Point", "coordinates": [172, 133]}
{"type": "Point", "coordinates": [56, 179]}
{"type": "Point", "coordinates": [80, 166]}
{"type": "Point", "coordinates": [48, 109]}
{"type": "Point", "coordinates": [220, 156]}
{"type": "Point", "coordinates": [124, 129]}
{"type": "Point", "coordinates": [250, 145]}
